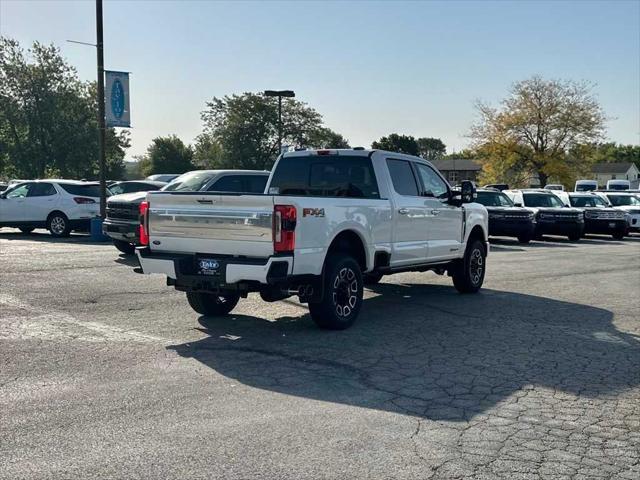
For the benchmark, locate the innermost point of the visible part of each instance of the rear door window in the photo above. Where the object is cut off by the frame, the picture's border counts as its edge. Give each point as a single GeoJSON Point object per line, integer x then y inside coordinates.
{"type": "Point", "coordinates": [325, 176]}
{"type": "Point", "coordinates": [404, 181]}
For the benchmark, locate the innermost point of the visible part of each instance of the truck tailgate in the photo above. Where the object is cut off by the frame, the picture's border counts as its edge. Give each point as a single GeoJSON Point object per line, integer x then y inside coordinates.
{"type": "Point", "coordinates": [211, 223]}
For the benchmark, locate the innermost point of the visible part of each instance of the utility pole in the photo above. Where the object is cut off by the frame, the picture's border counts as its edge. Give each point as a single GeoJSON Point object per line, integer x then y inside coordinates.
{"type": "Point", "coordinates": [279, 94]}
{"type": "Point", "coordinates": [101, 114]}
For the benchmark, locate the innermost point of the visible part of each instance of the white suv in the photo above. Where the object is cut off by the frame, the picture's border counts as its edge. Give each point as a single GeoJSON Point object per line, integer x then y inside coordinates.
{"type": "Point", "coordinates": [58, 205]}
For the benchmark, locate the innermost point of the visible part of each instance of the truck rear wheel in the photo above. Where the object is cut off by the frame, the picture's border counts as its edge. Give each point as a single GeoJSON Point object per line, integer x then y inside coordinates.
{"type": "Point", "coordinates": [124, 247]}
{"type": "Point", "coordinates": [212, 304]}
{"type": "Point", "coordinates": [468, 275]}
{"type": "Point", "coordinates": [342, 294]}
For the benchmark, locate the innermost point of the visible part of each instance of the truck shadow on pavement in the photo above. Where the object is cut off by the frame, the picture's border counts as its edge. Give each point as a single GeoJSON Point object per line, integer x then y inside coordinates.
{"type": "Point", "coordinates": [426, 351]}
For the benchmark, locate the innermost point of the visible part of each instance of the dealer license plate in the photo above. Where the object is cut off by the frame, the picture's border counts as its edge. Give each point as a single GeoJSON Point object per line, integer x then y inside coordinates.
{"type": "Point", "coordinates": [209, 266]}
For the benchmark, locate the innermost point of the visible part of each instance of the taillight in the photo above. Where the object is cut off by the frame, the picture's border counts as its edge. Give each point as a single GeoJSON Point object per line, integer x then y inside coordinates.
{"type": "Point", "coordinates": [284, 226]}
{"type": "Point", "coordinates": [83, 200]}
{"type": "Point", "coordinates": [144, 224]}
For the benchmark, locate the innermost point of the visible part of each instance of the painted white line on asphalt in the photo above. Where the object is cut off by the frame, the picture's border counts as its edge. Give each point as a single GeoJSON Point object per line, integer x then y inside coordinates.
{"type": "Point", "coordinates": [28, 321]}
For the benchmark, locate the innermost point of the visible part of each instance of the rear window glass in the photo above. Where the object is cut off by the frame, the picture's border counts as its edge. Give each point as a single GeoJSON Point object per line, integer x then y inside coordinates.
{"type": "Point", "coordinates": [90, 190]}
{"type": "Point", "coordinates": [325, 176]}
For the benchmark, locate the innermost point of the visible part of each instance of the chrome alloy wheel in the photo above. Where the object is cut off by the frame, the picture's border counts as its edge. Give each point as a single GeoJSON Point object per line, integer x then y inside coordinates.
{"type": "Point", "coordinates": [58, 225]}
{"type": "Point", "coordinates": [476, 266]}
{"type": "Point", "coordinates": [345, 290]}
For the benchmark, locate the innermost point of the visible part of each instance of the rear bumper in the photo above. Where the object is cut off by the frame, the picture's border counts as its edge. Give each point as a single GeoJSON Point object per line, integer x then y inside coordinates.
{"type": "Point", "coordinates": [184, 271]}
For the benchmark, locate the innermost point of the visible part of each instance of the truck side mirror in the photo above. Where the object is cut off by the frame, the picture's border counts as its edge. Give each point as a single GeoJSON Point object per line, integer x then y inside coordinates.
{"type": "Point", "coordinates": [517, 204]}
{"type": "Point", "coordinates": [468, 191]}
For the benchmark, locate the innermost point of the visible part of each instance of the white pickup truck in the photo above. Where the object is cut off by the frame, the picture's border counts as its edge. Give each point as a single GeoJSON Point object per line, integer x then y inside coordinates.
{"type": "Point", "coordinates": [329, 222]}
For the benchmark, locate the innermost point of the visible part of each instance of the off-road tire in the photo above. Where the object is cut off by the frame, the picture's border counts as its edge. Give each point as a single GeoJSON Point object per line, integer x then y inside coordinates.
{"type": "Point", "coordinates": [342, 294]}
{"type": "Point", "coordinates": [574, 237]}
{"type": "Point", "coordinates": [212, 304]}
{"type": "Point", "coordinates": [58, 225]}
{"type": "Point", "coordinates": [468, 275]}
{"type": "Point", "coordinates": [124, 247]}
{"type": "Point", "coordinates": [26, 230]}
{"type": "Point", "coordinates": [619, 235]}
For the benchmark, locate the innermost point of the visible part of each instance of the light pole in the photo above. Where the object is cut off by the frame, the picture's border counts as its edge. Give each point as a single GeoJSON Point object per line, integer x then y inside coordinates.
{"type": "Point", "coordinates": [101, 119]}
{"type": "Point", "coordinates": [279, 94]}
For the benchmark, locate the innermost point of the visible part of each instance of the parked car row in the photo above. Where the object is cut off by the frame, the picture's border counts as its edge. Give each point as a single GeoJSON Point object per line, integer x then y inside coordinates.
{"type": "Point", "coordinates": [61, 206]}
{"type": "Point", "coordinates": [532, 213]}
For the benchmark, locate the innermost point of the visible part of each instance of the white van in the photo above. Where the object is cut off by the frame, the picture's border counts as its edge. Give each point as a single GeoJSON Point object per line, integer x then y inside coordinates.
{"type": "Point", "coordinates": [586, 186]}
{"type": "Point", "coordinates": [618, 185]}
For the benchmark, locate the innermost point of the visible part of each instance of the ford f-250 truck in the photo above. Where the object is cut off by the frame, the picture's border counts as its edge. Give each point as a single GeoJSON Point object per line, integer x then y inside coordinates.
{"type": "Point", "coordinates": [328, 222]}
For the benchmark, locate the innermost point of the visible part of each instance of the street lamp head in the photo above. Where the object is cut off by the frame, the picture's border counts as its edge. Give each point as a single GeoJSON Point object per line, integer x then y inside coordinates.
{"type": "Point", "coordinates": [279, 93]}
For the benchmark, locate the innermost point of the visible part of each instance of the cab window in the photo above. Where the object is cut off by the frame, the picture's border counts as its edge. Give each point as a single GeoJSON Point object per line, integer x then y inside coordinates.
{"type": "Point", "coordinates": [433, 184]}
{"type": "Point", "coordinates": [404, 181]}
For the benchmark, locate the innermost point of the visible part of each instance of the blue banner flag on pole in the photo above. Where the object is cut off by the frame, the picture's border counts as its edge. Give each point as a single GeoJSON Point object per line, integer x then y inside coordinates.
{"type": "Point", "coordinates": [117, 99]}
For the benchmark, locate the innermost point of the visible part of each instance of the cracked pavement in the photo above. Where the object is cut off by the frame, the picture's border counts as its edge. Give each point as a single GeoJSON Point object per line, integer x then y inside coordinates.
{"type": "Point", "coordinates": [106, 373]}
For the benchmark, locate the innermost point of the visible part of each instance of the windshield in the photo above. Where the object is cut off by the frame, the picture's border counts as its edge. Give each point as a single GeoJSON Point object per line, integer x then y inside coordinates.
{"type": "Point", "coordinates": [542, 200]}
{"type": "Point", "coordinates": [581, 202]}
{"type": "Point", "coordinates": [623, 200]}
{"type": "Point", "coordinates": [586, 187]}
{"type": "Point", "coordinates": [189, 182]}
{"type": "Point", "coordinates": [494, 199]}
{"type": "Point", "coordinates": [555, 187]}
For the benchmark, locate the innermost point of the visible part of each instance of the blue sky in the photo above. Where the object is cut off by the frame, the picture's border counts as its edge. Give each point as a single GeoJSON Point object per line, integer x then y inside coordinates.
{"type": "Point", "coordinates": [371, 68]}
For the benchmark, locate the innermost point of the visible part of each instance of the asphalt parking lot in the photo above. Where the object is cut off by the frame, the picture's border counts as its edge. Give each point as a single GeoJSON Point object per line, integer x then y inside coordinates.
{"type": "Point", "coordinates": [105, 373]}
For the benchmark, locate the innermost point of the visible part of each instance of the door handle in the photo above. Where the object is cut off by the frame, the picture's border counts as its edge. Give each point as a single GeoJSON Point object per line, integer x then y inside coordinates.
{"type": "Point", "coordinates": [435, 211]}
{"type": "Point", "coordinates": [403, 211]}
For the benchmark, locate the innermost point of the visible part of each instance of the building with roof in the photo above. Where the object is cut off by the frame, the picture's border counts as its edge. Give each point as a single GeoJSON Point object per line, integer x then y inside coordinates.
{"type": "Point", "coordinates": [603, 172]}
{"type": "Point", "coordinates": [456, 170]}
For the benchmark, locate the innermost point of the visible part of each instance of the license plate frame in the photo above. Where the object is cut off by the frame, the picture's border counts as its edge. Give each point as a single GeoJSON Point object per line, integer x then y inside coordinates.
{"type": "Point", "coordinates": [209, 267]}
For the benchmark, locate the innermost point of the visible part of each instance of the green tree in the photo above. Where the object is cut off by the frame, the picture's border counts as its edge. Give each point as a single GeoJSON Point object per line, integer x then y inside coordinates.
{"type": "Point", "coordinates": [326, 138]}
{"type": "Point", "coordinates": [398, 143]}
{"type": "Point", "coordinates": [611, 153]}
{"type": "Point", "coordinates": [48, 120]}
{"type": "Point", "coordinates": [167, 155]}
{"type": "Point", "coordinates": [536, 125]}
{"type": "Point", "coordinates": [207, 152]}
{"type": "Point", "coordinates": [431, 148]}
{"type": "Point", "coordinates": [243, 130]}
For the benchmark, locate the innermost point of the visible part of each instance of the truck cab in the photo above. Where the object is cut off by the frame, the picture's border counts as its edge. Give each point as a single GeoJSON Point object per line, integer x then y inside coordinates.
{"type": "Point", "coordinates": [328, 221]}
